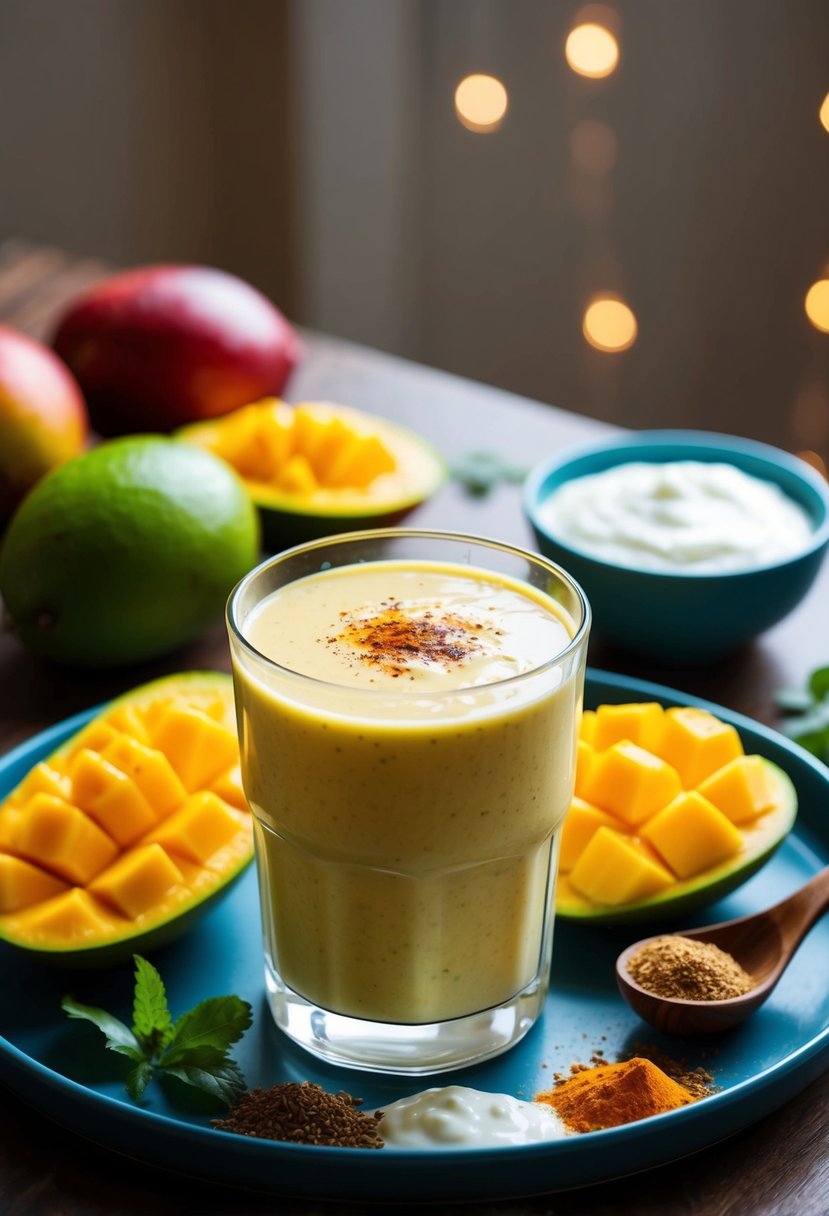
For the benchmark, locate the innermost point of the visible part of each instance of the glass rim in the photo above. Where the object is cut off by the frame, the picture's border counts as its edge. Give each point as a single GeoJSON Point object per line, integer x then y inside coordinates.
{"type": "Point", "coordinates": [341, 538]}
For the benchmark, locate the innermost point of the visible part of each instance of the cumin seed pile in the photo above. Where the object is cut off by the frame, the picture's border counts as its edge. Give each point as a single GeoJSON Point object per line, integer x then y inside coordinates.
{"type": "Point", "coordinates": [303, 1113]}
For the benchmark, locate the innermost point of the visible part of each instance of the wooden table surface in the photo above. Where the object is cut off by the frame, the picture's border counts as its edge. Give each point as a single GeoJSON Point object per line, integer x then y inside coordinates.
{"type": "Point", "coordinates": [779, 1166]}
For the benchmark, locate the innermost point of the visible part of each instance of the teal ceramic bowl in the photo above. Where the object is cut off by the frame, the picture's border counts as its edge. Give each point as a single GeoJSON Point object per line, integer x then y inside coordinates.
{"type": "Point", "coordinates": [682, 619]}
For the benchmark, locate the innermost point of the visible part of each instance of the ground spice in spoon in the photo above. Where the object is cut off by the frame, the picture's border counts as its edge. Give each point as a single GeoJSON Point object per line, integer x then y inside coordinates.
{"type": "Point", "coordinates": [688, 970]}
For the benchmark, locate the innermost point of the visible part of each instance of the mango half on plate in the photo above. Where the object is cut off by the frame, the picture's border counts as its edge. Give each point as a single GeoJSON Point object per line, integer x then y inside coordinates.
{"type": "Point", "coordinates": [318, 468]}
{"type": "Point", "coordinates": [129, 831]}
{"type": "Point", "coordinates": [669, 814]}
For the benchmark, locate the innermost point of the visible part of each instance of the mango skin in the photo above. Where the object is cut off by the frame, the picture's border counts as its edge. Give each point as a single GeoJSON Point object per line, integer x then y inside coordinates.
{"type": "Point", "coordinates": [43, 417]}
{"type": "Point", "coordinates": [161, 346]}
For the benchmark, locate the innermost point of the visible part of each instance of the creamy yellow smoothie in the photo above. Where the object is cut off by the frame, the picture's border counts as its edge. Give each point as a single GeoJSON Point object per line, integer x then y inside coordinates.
{"type": "Point", "coordinates": [408, 753]}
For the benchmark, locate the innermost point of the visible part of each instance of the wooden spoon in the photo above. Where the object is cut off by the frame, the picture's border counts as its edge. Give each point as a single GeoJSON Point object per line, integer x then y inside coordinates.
{"type": "Point", "coordinates": [763, 943]}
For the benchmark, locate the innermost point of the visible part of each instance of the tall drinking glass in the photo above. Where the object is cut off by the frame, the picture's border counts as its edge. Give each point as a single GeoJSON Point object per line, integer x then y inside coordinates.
{"type": "Point", "coordinates": [408, 707]}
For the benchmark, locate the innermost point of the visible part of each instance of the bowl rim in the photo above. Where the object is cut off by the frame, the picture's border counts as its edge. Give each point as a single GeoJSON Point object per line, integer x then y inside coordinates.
{"type": "Point", "coordinates": [630, 441]}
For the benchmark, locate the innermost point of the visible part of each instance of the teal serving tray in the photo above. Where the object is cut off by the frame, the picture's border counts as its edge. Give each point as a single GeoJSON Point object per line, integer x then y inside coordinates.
{"type": "Point", "coordinates": [60, 1066]}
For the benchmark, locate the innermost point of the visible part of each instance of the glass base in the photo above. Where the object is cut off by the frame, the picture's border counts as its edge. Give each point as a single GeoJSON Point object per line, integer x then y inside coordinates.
{"type": "Point", "coordinates": [413, 1050]}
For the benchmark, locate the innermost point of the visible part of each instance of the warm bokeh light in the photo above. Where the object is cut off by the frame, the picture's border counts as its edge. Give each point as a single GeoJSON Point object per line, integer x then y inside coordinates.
{"type": "Point", "coordinates": [824, 112]}
{"type": "Point", "coordinates": [817, 305]}
{"type": "Point", "coordinates": [481, 103]}
{"type": "Point", "coordinates": [609, 324]}
{"type": "Point", "coordinates": [591, 50]}
{"type": "Point", "coordinates": [593, 147]}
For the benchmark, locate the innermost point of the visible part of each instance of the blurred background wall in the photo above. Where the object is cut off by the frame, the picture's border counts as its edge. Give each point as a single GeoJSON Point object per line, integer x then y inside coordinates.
{"type": "Point", "coordinates": [317, 148]}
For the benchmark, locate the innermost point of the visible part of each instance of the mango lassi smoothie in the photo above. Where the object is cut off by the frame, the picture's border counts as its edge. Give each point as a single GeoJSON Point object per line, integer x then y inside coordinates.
{"type": "Point", "coordinates": [408, 744]}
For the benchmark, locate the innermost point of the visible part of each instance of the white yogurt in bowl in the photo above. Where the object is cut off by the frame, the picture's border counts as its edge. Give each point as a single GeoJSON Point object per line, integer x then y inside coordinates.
{"type": "Point", "coordinates": [681, 516]}
{"type": "Point", "coordinates": [704, 542]}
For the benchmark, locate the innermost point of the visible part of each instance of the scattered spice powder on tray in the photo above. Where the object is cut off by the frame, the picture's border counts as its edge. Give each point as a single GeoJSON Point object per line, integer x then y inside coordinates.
{"type": "Point", "coordinates": [608, 1095]}
{"type": "Point", "coordinates": [688, 969]}
{"type": "Point", "coordinates": [303, 1113]}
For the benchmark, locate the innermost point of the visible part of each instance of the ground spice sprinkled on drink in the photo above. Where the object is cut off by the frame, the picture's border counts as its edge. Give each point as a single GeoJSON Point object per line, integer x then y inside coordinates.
{"type": "Point", "coordinates": [303, 1113]}
{"type": "Point", "coordinates": [689, 970]}
{"type": "Point", "coordinates": [609, 1095]}
{"type": "Point", "coordinates": [395, 636]}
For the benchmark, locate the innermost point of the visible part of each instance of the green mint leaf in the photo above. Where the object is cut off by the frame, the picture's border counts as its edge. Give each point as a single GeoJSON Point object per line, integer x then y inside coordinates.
{"type": "Point", "coordinates": [223, 1081]}
{"type": "Point", "coordinates": [152, 1023]}
{"type": "Point", "coordinates": [118, 1036]}
{"type": "Point", "coordinates": [819, 683]}
{"type": "Point", "coordinates": [216, 1022]}
{"type": "Point", "coordinates": [479, 472]}
{"type": "Point", "coordinates": [194, 1049]}
{"type": "Point", "coordinates": [793, 700]}
{"type": "Point", "coordinates": [138, 1079]}
{"type": "Point", "coordinates": [808, 714]}
{"type": "Point", "coordinates": [199, 1060]}
{"type": "Point", "coordinates": [196, 1057]}
{"type": "Point", "coordinates": [816, 742]}
{"type": "Point", "coordinates": [814, 722]}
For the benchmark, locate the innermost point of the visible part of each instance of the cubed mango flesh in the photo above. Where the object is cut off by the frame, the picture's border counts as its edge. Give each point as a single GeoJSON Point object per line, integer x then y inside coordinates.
{"type": "Point", "coordinates": [741, 789]}
{"type": "Point", "coordinates": [585, 756]}
{"type": "Point", "coordinates": [272, 444]}
{"type": "Point", "coordinates": [630, 782]}
{"type": "Point", "coordinates": [229, 788]}
{"type": "Point", "coordinates": [697, 743]}
{"type": "Point", "coordinates": [78, 862]}
{"type": "Point", "coordinates": [60, 838]}
{"type": "Point", "coordinates": [199, 748]}
{"type": "Point", "coordinates": [296, 476]}
{"type": "Point", "coordinates": [73, 917]}
{"type": "Point", "coordinates": [110, 797]}
{"type": "Point", "coordinates": [94, 737]}
{"type": "Point", "coordinates": [138, 880]}
{"type": "Point", "coordinates": [151, 771]}
{"type": "Point", "coordinates": [310, 431]}
{"type": "Point", "coordinates": [587, 726]}
{"type": "Point", "coordinates": [691, 835]}
{"type": "Point", "coordinates": [361, 460]}
{"type": "Point", "coordinates": [10, 819]}
{"type": "Point", "coordinates": [22, 884]}
{"type": "Point", "coordinates": [43, 779]}
{"type": "Point", "coordinates": [635, 763]}
{"type": "Point", "coordinates": [298, 449]}
{"type": "Point", "coordinates": [579, 826]}
{"type": "Point", "coordinates": [615, 869]}
{"type": "Point", "coordinates": [200, 828]}
{"type": "Point", "coordinates": [235, 440]}
{"type": "Point", "coordinates": [641, 723]}
{"type": "Point", "coordinates": [126, 719]}
{"type": "Point", "coordinates": [332, 437]}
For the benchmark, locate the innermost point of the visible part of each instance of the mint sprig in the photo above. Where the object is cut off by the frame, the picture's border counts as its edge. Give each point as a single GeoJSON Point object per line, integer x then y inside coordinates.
{"type": "Point", "coordinates": [807, 713]}
{"type": "Point", "coordinates": [479, 472]}
{"type": "Point", "coordinates": [194, 1048]}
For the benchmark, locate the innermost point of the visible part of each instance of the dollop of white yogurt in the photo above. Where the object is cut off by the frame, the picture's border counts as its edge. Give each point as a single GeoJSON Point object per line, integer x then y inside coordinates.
{"type": "Point", "coordinates": [455, 1116]}
{"type": "Point", "coordinates": [684, 516]}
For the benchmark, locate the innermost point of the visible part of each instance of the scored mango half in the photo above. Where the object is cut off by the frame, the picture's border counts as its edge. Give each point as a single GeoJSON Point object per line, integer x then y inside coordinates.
{"type": "Point", "coordinates": [118, 840]}
{"type": "Point", "coordinates": [668, 813]}
{"type": "Point", "coordinates": [319, 467]}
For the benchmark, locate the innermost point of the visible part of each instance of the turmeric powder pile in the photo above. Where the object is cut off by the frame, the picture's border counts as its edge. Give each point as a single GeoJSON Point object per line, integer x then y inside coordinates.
{"type": "Point", "coordinates": [611, 1094]}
